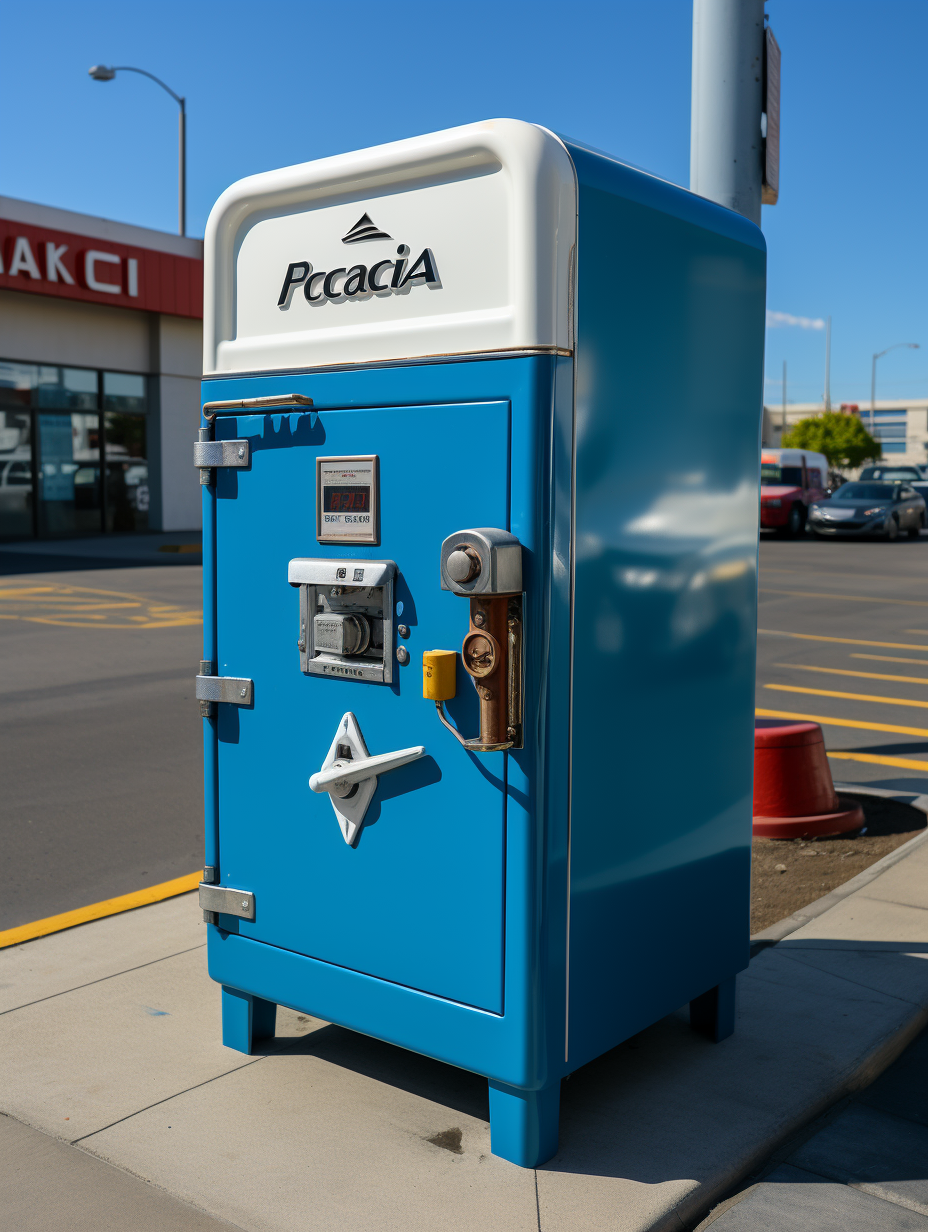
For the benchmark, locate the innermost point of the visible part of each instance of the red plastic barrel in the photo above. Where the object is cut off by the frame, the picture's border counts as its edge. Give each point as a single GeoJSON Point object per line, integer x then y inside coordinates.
{"type": "Point", "coordinates": [794, 793]}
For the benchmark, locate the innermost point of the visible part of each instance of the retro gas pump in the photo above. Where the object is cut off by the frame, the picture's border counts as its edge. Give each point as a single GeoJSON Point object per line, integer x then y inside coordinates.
{"type": "Point", "coordinates": [479, 468]}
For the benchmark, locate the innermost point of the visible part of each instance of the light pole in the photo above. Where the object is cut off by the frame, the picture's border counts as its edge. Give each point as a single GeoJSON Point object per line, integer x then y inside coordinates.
{"type": "Point", "coordinates": [828, 363]}
{"type": "Point", "coordinates": [879, 355]}
{"type": "Point", "coordinates": [102, 72]}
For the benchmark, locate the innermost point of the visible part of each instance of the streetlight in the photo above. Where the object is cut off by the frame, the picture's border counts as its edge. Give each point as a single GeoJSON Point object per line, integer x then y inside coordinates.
{"type": "Point", "coordinates": [879, 355]}
{"type": "Point", "coordinates": [102, 72]}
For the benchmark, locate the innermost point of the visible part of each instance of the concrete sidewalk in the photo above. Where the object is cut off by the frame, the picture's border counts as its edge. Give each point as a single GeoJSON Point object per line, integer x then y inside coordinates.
{"type": "Point", "coordinates": [109, 1046]}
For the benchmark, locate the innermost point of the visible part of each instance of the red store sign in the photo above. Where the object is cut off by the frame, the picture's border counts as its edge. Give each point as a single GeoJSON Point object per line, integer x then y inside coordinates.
{"type": "Point", "coordinates": [68, 266]}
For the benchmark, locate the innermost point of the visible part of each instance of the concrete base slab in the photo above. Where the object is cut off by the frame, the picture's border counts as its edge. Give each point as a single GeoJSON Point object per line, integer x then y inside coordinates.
{"type": "Point", "coordinates": [47, 1186]}
{"type": "Point", "coordinates": [332, 1131]}
{"type": "Point", "coordinates": [78, 956]}
{"type": "Point", "coordinates": [305, 1145]}
{"type": "Point", "coordinates": [793, 1201]}
{"type": "Point", "coordinates": [880, 1154]}
{"type": "Point", "coordinates": [72, 1064]}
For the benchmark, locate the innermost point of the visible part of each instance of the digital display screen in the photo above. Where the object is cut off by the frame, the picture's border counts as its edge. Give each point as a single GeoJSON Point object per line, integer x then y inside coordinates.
{"type": "Point", "coordinates": [344, 499]}
{"type": "Point", "coordinates": [348, 499]}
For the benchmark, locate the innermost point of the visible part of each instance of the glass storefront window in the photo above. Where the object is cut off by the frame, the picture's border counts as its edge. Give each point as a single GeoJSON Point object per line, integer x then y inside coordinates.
{"type": "Point", "coordinates": [65, 468]}
{"type": "Point", "coordinates": [72, 389]}
{"type": "Point", "coordinates": [17, 382]}
{"type": "Point", "coordinates": [15, 474]}
{"type": "Point", "coordinates": [69, 474]}
{"type": "Point", "coordinates": [127, 491]}
{"type": "Point", "coordinates": [122, 391]}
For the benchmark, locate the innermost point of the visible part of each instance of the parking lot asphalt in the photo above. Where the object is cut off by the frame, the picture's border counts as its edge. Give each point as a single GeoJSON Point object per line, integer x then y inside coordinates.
{"type": "Point", "coordinates": [843, 640]}
{"type": "Point", "coordinates": [102, 782]}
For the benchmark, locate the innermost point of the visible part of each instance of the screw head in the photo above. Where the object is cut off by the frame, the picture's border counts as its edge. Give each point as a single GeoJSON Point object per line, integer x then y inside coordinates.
{"type": "Point", "coordinates": [244, 904]}
{"type": "Point", "coordinates": [480, 619]}
{"type": "Point", "coordinates": [402, 654]}
{"type": "Point", "coordinates": [244, 693]}
{"type": "Point", "coordinates": [241, 452]}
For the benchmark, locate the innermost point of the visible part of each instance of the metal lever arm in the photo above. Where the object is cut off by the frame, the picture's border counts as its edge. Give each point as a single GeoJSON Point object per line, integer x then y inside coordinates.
{"type": "Point", "coordinates": [345, 773]}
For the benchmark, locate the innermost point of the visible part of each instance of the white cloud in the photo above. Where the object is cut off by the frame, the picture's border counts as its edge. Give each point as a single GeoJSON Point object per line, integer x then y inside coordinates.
{"type": "Point", "coordinates": [777, 319]}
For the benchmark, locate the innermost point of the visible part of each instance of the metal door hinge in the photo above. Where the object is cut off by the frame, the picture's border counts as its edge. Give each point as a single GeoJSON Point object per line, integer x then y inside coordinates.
{"type": "Point", "coordinates": [207, 455]}
{"type": "Point", "coordinates": [223, 900]}
{"type": "Point", "coordinates": [235, 690]}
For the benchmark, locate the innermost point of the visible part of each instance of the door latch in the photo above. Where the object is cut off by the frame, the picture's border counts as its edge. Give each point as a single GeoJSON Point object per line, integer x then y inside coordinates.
{"type": "Point", "coordinates": [349, 775]}
{"type": "Point", "coordinates": [234, 690]}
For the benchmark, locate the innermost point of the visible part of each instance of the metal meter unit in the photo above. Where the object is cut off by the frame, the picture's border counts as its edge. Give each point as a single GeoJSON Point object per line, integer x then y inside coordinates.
{"type": "Point", "coordinates": [479, 468]}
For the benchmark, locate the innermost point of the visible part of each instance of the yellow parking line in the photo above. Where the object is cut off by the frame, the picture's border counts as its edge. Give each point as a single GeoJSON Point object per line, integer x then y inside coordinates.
{"type": "Point", "coordinates": [920, 632]}
{"type": "Point", "coordinates": [97, 911]}
{"type": "Point", "coordinates": [850, 697]}
{"type": "Point", "coordinates": [886, 658]}
{"type": "Point", "coordinates": [877, 759]}
{"type": "Point", "coordinates": [845, 671]}
{"type": "Point", "coordinates": [844, 641]}
{"type": "Point", "coordinates": [830, 722]}
{"type": "Point", "coordinates": [815, 594]}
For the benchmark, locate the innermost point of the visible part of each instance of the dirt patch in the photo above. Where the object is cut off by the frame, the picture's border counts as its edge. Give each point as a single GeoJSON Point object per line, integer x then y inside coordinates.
{"type": "Point", "coordinates": [813, 867]}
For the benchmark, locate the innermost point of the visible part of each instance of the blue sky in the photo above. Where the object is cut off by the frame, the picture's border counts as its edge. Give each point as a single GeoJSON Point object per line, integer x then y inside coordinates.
{"type": "Point", "coordinates": [286, 81]}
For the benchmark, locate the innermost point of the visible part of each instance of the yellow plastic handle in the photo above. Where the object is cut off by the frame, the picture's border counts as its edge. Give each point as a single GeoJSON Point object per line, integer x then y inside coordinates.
{"type": "Point", "coordinates": [438, 671]}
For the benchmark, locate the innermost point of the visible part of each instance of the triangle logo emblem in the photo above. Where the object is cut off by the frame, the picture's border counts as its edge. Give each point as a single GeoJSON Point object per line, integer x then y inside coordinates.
{"type": "Point", "coordinates": [364, 229]}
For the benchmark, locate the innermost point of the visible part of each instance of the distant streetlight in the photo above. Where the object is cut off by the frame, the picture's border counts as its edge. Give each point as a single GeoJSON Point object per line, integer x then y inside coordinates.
{"type": "Point", "coordinates": [102, 72]}
{"type": "Point", "coordinates": [879, 355]}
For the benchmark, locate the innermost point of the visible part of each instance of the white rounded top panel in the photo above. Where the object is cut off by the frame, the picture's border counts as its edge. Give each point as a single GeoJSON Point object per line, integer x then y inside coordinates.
{"type": "Point", "coordinates": [453, 243]}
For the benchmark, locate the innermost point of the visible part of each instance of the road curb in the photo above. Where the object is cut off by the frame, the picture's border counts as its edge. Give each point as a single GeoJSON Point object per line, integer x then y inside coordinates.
{"type": "Point", "coordinates": [776, 932]}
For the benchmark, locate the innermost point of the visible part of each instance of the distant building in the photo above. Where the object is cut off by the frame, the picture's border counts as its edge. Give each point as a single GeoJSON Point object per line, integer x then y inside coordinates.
{"type": "Point", "coordinates": [901, 426]}
{"type": "Point", "coordinates": [100, 358]}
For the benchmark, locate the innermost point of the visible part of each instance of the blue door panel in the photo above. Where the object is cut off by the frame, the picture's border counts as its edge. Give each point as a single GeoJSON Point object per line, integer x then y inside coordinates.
{"type": "Point", "coordinates": [420, 900]}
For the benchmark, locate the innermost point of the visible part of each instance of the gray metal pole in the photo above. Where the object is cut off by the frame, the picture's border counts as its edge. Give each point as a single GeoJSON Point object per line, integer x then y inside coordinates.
{"type": "Point", "coordinates": [725, 133]}
{"type": "Point", "coordinates": [182, 169]}
{"type": "Point", "coordinates": [828, 363]}
{"type": "Point", "coordinates": [873, 390]}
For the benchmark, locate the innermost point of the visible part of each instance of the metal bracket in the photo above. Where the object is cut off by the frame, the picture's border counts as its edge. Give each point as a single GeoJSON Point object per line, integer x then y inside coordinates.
{"type": "Point", "coordinates": [221, 453]}
{"type": "Point", "coordinates": [207, 455]}
{"type": "Point", "coordinates": [232, 689]}
{"type": "Point", "coordinates": [226, 901]}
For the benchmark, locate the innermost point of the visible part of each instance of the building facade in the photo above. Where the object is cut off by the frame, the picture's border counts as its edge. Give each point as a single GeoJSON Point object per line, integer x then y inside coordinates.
{"type": "Point", "coordinates": [901, 426]}
{"type": "Point", "coordinates": [100, 361]}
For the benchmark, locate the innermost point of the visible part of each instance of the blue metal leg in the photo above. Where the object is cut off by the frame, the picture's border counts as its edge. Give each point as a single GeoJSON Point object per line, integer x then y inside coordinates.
{"type": "Point", "coordinates": [245, 1019]}
{"type": "Point", "coordinates": [523, 1124]}
{"type": "Point", "coordinates": [713, 1014]}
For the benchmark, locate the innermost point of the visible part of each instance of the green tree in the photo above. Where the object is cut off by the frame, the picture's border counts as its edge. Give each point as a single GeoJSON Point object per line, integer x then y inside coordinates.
{"type": "Point", "coordinates": [843, 439]}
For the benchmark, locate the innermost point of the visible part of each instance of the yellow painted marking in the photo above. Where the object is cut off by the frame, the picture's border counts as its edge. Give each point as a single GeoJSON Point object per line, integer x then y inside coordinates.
{"type": "Point", "coordinates": [815, 594]}
{"type": "Point", "coordinates": [877, 759]}
{"type": "Point", "coordinates": [86, 607]}
{"type": "Point", "coordinates": [850, 697]}
{"type": "Point", "coordinates": [829, 722]}
{"type": "Point", "coordinates": [97, 911]}
{"type": "Point", "coordinates": [195, 619]}
{"type": "Point", "coordinates": [844, 641]}
{"type": "Point", "coordinates": [920, 632]}
{"type": "Point", "coordinates": [845, 671]}
{"type": "Point", "coordinates": [887, 658]}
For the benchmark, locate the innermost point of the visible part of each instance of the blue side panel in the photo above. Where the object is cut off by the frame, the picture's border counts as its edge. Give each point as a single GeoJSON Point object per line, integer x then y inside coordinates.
{"type": "Point", "coordinates": [669, 386]}
{"type": "Point", "coordinates": [422, 417]}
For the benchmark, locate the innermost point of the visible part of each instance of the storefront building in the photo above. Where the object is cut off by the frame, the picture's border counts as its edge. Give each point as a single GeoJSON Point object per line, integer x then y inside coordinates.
{"type": "Point", "coordinates": [901, 427]}
{"type": "Point", "coordinates": [100, 360]}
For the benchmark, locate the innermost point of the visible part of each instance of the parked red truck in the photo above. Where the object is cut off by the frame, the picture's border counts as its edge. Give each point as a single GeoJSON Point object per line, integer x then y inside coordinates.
{"type": "Point", "coordinates": [790, 481]}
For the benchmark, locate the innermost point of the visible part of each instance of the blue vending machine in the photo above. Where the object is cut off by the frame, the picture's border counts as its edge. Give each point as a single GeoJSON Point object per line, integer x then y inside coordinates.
{"type": "Point", "coordinates": [479, 460]}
